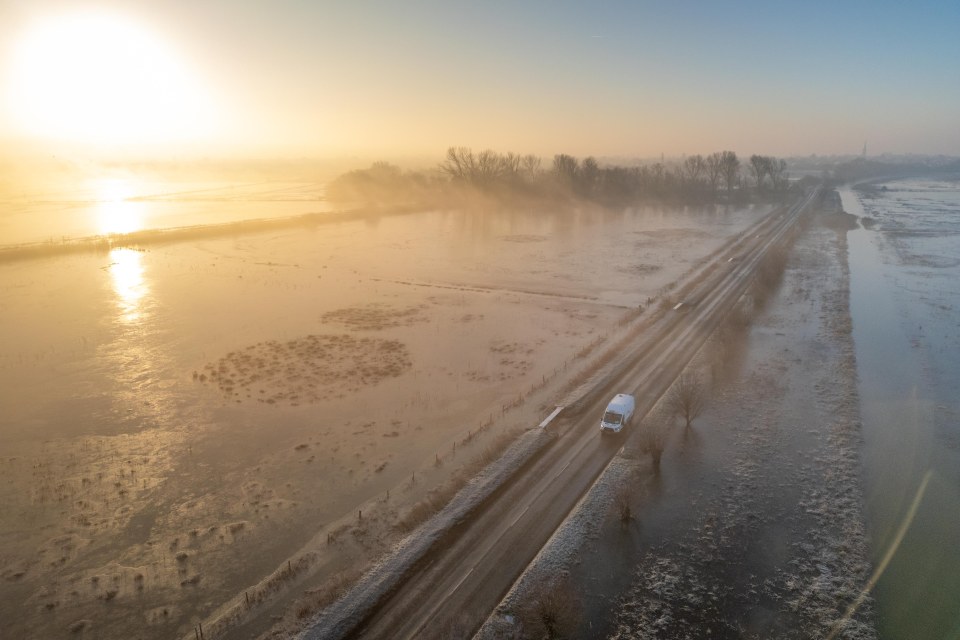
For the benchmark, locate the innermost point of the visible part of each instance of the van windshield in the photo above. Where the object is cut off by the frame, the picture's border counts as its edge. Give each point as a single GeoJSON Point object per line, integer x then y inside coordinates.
{"type": "Point", "coordinates": [612, 417]}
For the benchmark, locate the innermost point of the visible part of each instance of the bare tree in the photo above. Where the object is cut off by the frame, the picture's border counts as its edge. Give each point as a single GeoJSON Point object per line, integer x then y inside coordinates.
{"type": "Point", "coordinates": [731, 168]}
{"type": "Point", "coordinates": [486, 168]}
{"type": "Point", "coordinates": [777, 170]}
{"type": "Point", "coordinates": [565, 169]}
{"type": "Point", "coordinates": [459, 163]}
{"type": "Point", "coordinates": [489, 167]}
{"type": "Point", "coordinates": [687, 397]}
{"type": "Point", "coordinates": [693, 168]}
{"type": "Point", "coordinates": [530, 167]}
{"type": "Point", "coordinates": [653, 438]}
{"type": "Point", "coordinates": [552, 611]}
{"type": "Point", "coordinates": [759, 167]}
{"type": "Point", "coordinates": [695, 176]}
{"type": "Point", "coordinates": [588, 175]}
{"type": "Point", "coordinates": [714, 168]}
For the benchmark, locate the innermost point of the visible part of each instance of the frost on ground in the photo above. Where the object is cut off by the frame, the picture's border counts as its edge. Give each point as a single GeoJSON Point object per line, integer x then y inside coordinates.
{"type": "Point", "coordinates": [779, 550]}
{"type": "Point", "coordinates": [755, 529]}
{"type": "Point", "coordinates": [344, 614]}
{"type": "Point", "coordinates": [563, 548]}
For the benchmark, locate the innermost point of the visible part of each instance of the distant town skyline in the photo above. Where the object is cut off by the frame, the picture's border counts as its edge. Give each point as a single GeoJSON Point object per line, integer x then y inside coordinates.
{"type": "Point", "coordinates": [293, 78]}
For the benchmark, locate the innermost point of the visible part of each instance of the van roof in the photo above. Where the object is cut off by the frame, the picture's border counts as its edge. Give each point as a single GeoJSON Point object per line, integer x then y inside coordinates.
{"type": "Point", "coordinates": [620, 400]}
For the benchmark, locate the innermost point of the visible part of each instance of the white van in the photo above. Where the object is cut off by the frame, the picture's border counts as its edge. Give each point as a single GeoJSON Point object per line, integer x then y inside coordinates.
{"type": "Point", "coordinates": [618, 413]}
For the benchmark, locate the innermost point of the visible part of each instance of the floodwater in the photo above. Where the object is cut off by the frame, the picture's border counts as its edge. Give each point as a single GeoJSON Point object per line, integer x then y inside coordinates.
{"type": "Point", "coordinates": [177, 421]}
{"type": "Point", "coordinates": [753, 527]}
{"type": "Point", "coordinates": [905, 292]}
{"type": "Point", "coordinates": [124, 203]}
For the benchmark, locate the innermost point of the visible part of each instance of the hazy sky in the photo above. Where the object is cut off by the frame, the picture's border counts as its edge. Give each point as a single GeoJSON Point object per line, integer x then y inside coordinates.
{"type": "Point", "coordinates": [411, 78]}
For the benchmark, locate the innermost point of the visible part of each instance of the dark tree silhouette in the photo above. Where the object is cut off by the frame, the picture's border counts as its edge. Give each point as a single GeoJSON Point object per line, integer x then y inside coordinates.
{"type": "Point", "coordinates": [588, 177]}
{"type": "Point", "coordinates": [687, 397]}
{"type": "Point", "coordinates": [759, 167]}
{"type": "Point", "coordinates": [565, 170]}
{"type": "Point", "coordinates": [714, 168]}
{"type": "Point", "coordinates": [653, 438]}
{"type": "Point", "coordinates": [552, 611]}
{"type": "Point", "coordinates": [731, 168]}
{"type": "Point", "coordinates": [777, 170]}
{"type": "Point", "coordinates": [507, 175]}
{"type": "Point", "coordinates": [694, 169]}
{"type": "Point", "coordinates": [530, 167]}
{"type": "Point", "coordinates": [487, 168]}
{"type": "Point", "coordinates": [459, 163]}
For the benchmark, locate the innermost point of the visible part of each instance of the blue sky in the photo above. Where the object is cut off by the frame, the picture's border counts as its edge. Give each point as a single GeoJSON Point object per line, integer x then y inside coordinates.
{"type": "Point", "coordinates": [615, 78]}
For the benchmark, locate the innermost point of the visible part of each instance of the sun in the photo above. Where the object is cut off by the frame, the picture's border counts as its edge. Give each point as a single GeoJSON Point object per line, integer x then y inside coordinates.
{"type": "Point", "coordinates": [104, 79]}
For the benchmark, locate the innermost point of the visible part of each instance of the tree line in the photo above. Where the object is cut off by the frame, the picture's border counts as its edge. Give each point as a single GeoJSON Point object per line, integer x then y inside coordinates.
{"type": "Point", "coordinates": [719, 176]}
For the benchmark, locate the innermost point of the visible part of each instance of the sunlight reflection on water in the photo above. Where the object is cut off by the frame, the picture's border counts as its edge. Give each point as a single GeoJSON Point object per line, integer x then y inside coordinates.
{"type": "Point", "coordinates": [126, 273]}
{"type": "Point", "coordinates": [115, 212]}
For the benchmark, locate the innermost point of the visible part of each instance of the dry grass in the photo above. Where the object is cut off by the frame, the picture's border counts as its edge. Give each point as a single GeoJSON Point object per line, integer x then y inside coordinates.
{"type": "Point", "coordinates": [438, 498]}
{"type": "Point", "coordinates": [330, 591]}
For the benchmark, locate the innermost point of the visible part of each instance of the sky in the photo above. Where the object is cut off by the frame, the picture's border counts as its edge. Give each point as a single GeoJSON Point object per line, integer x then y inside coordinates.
{"type": "Point", "coordinates": [392, 79]}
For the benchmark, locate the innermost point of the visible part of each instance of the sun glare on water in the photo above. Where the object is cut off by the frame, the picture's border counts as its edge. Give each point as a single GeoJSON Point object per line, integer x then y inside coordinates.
{"type": "Point", "coordinates": [103, 79]}
{"type": "Point", "coordinates": [116, 211]}
{"type": "Point", "coordinates": [126, 273]}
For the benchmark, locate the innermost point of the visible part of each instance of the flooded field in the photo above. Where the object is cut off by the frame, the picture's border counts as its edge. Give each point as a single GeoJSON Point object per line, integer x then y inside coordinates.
{"type": "Point", "coordinates": [753, 526]}
{"type": "Point", "coordinates": [180, 421]}
{"type": "Point", "coordinates": [905, 291]}
{"type": "Point", "coordinates": [123, 202]}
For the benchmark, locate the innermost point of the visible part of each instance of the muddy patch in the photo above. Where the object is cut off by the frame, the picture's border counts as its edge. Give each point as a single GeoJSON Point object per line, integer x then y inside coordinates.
{"type": "Point", "coordinates": [668, 236]}
{"type": "Point", "coordinates": [374, 317]}
{"type": "Point", "coordinates": [640, 269]}
{"type": "Point", "coordinates": [306, 370]}
{"type": "Point", "coordinates": [523, 238]}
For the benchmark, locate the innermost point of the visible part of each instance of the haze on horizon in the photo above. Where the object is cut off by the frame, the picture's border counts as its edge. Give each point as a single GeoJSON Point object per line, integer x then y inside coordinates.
{"type": "Point", "coordinates": [218, 79]}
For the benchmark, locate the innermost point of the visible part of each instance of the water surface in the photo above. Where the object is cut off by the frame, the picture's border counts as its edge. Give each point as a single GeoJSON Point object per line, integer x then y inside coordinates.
{"type": "Point", "coordinates": [905, 292]}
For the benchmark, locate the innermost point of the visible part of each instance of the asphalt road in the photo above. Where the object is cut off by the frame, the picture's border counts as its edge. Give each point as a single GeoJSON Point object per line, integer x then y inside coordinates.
{"type": "Point", "coordinates": [455, 587]}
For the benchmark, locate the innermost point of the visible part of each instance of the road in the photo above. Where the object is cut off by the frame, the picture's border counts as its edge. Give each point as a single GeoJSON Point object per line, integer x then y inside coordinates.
{"type": "Point", "coordinates": [454, 589]}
